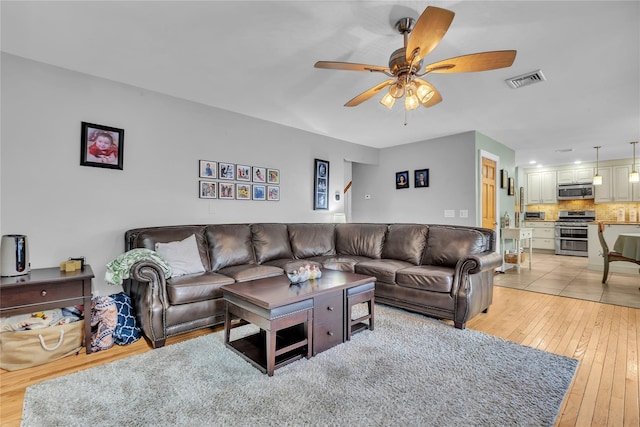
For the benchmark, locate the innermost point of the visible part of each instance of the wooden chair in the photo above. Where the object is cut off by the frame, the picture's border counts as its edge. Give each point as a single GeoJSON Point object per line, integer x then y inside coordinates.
{"type": "Point", "coordinates": [610, 256]}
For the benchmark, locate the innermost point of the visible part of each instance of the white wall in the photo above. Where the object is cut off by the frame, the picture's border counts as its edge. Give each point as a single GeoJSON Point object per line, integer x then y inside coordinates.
{"type": "Point", "coordinates": [70, 210]}
{"type": "Point", "coordinates": [451, 162]}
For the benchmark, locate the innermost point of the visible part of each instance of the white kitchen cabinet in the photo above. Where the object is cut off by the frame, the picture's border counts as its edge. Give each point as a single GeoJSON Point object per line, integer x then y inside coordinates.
{"type": "Point", "coordinates": [541, 187]}
{"type": "Point", "coordinates": [621, 184]}
{"type": "Point", "coordinates": [604, 192]}
{"type": "Point", "coordinates": [575, 176]}
{"type": "Point", "coordinates": [543, 234]}
{"type": "Point", "coordinates": [635, 188]}
{"type": "Point", "coordinates": [615, 185]}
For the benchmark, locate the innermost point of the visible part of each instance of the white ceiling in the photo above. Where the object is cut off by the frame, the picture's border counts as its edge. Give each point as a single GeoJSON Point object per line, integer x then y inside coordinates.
{"type": "Point", "coordinates": [256, 58]}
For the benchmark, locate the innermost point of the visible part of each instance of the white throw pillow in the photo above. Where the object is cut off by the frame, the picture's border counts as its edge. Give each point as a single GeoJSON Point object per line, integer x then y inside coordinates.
{"type": "Point", "coordinates": [182, 256]}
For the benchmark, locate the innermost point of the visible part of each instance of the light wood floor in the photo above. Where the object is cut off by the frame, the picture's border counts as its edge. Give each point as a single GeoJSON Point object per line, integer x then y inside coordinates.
{"type": "Point", "coordinates": [605, 339]}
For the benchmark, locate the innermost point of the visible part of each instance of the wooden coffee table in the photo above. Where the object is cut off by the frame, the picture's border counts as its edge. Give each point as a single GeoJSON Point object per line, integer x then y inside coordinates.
{"type": "Point", "coordinates": [295, 321]}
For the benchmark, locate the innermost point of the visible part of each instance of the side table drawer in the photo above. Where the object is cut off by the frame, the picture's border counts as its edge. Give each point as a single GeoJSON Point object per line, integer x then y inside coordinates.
{"type": "Point", "coordinates": [40, 293]}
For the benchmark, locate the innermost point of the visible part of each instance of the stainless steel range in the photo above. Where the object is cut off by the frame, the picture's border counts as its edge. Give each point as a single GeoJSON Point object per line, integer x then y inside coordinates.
{"type": "Point", "coordinates": [571, 232]}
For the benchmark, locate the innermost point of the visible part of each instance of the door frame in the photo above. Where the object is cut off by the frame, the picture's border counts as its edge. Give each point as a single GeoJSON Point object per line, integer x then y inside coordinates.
{"type": "Point", "coordinates": [495, 158]}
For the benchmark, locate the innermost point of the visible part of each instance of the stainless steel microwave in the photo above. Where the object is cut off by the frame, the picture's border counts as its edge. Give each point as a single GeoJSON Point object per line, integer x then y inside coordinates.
{"type": "Point", "coordinates": [575, 191]}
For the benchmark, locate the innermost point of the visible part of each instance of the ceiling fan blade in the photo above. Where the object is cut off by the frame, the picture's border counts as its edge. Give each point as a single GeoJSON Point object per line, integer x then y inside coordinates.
{"type": "Point", "coordinates": [474, 62]}
{"type": "Point", "coordinates": [368, 94]}
{"type": "Point", "coordinates": [349, 66]}
{"type": "Point", "coordinates": [435, 98]}
{"type": "Point", "coordinates": [427, 32]}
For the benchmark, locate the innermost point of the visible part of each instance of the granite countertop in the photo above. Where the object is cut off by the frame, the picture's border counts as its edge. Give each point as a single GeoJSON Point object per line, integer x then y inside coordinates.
{"type": "Point", "coordinates": [612, 222]}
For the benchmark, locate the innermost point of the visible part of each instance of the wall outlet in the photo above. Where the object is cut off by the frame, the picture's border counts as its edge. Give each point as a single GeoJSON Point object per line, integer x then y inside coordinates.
{"type": "Point", "coordinates": [449, 213]}
{"type": "Point", "coordinates": [367, 196]}
{"type": "Point", "coordinates": [464, 213]}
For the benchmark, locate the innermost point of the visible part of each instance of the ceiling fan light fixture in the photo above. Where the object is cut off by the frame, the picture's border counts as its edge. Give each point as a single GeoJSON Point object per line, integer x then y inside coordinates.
{"type": "Point", "coordinates": [411, 100]}
{"type": "Point", "coordinates": [388, 101]}
{"type": "Point", "coordinates": [424, 93]}
{"type": "Point", "coordinates": [396, 90]}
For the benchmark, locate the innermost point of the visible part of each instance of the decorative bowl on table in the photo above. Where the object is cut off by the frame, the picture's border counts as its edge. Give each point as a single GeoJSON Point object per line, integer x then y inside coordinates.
{"type": "Point", "coordinates": [303, 273]}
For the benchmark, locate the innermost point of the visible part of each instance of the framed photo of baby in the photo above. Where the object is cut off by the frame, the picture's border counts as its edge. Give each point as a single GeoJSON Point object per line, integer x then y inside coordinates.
{"type": "Point", "coordinates": [101, 146]}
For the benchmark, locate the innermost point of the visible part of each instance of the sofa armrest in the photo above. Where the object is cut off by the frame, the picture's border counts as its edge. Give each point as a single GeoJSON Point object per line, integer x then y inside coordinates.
{"type": "Point", "coordinates": [148, 292]}
{"type": "Point", "coordinates": [477, 263]}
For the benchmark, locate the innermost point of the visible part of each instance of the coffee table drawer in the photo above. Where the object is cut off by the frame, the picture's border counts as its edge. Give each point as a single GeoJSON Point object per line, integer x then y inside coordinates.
{"type": "Point", "coordinates": [328, 321]}
{"type": "Point", "coordinates": [326, 336]}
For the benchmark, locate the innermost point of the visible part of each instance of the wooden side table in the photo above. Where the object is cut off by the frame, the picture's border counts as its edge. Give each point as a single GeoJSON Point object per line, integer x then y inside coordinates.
{"type": "Point", "coordinates": [47, 288]}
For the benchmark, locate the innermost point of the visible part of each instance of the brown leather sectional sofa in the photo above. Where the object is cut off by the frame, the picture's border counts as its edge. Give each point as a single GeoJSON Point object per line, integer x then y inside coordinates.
{"type": "Point", "coordinates": [441, 271]}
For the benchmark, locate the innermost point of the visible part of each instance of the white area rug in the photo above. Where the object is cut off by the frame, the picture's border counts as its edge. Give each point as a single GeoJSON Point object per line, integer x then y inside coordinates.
{"type": "Point", "coordinates": [409, 371]}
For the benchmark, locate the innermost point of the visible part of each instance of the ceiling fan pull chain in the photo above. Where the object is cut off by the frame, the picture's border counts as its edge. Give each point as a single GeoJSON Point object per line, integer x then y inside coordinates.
{"type": "Point", "coordinates": [405, 116]}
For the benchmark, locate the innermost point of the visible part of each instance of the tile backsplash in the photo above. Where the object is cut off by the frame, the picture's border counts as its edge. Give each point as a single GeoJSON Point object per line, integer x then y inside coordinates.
{"type": "Point", "coordinates": [604, 211]}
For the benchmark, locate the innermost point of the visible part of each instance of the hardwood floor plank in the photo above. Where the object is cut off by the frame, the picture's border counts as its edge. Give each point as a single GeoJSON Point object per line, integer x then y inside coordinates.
{"type": "Point", "coordinates": [632, 376]}
{"type": "Point", "coordinates": [605, 386]}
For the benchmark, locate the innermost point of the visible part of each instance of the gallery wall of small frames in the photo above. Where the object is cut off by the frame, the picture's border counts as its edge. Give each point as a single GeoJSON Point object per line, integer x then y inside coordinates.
{"type": "Point", "coordinates": [232, 181]}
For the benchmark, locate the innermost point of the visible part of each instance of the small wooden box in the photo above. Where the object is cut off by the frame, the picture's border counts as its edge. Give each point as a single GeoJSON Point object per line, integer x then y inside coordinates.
{"type": "Point", "coordinates": [513, 258]}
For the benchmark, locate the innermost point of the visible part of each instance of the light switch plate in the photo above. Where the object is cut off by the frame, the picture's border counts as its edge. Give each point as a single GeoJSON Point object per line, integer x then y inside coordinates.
{"type": "Point", "coordinates": [449, 213]}
{"type": "Point", "coordinates": [464, 213]}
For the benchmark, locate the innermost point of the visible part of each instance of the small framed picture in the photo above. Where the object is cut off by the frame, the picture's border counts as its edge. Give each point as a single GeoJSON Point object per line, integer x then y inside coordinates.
{"type": "Point", "coordinates": [273, 192]}
{"type": "Point", "coordinates": [273, 176]}
{"type": "Point", "coordinates": [259, 174]}
{"type": "Point", "coordinates": [243, 173]}
{"type": "Point", "coordinates": [321, 184]}
{"type": "Point", "coordinates": [226, 190]}
{"type": "Point", "coordinates": [504, 178]}
{"type": "Point", "coordinates": [421, 178]}
{"type": "Point", "coordinates": [101, 146]}
{"type": "Point", "coordinates": [208, 169]}
{"type": "Point", "coordinates": [208, 190]}
{"type": "Point", "coordinates": [402, 179]}
{"type": "Point", "coordinates": [511, 191]}
{"type": "Point", "coordinates": [227, 171]}
{"type": "Point", "coordinates": [259, 192]}
{"type": "Point", "coordinates": [243, 191]}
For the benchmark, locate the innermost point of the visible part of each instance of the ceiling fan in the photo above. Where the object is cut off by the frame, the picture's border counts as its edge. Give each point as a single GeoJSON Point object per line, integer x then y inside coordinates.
{"type": "Point", "coordinates": [405, 64]}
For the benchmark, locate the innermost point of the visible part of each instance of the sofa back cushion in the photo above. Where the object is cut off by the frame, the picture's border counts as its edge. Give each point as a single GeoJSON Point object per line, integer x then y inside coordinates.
{"type": "Point", "coordinates": [149, 237]}
{"type": "Point", "coordinates": [270, 241]}
{"type": "Point", "coordinates": [309, 240]}
{"type": "Point", "coordinates": [229, 244]}
{"type": "Point", "coordinates": [405, 242]}
{"type": "Point", "coordinates": [360, 239]}
{"type": "Point", "coordinates": [446, 245]}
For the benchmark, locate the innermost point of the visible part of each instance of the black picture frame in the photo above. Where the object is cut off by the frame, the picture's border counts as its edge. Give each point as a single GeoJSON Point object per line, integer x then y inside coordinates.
{"type": "Point", "coordinates": [402, 180]}
{"type": "Point", "coordinates": [101, 146]}
{"type": "Point", "coordinates": [321, 185]}
{"type": "Point", "coordinates": [511, 191]}
{"type": "Point", "coordinates": [421, 178]}
{"type": "Point", "coordinates": [504, 178]}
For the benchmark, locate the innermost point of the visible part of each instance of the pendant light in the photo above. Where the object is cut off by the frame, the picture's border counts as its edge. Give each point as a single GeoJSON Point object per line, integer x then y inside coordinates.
{"type": "Point", "coordinates": [634, 176]}
{"type": "Point", "coordinates": [597, 178]}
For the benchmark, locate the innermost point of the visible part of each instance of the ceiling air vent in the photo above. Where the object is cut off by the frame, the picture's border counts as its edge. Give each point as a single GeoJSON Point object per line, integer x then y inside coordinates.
{"type": "Point", "coordinates": [526, 79]}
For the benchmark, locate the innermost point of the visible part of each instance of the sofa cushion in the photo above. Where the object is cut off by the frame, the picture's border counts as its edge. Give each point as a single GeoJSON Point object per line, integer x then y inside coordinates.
{"type": "Point", "coordinates": [405, 242]}
{"type": "Point", "coordinates": [384, 270]}
{"type": "Point", "coordinates": [148, 238]}
{"type": "Point", "coordinates": [182, 256]}
{"type": "Point", "coordinates": [229, 244]}
{"type": "Point", "coordinates": [310, 240]}
{"type": "Point", "coordinates": [339, 263]}
{"type": "Point", "coordinates": [270, 241]}
{"type": "Point", "coordinates": [426, 277]}
{"type": "Point", "coordinates": [196, 287]}
{"type": "Point", "coordinates": [360, 239]}
{"type": "Point", "coordinates": [448, 244]}
{"type": "Point", "coordinates": [246, 272]}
